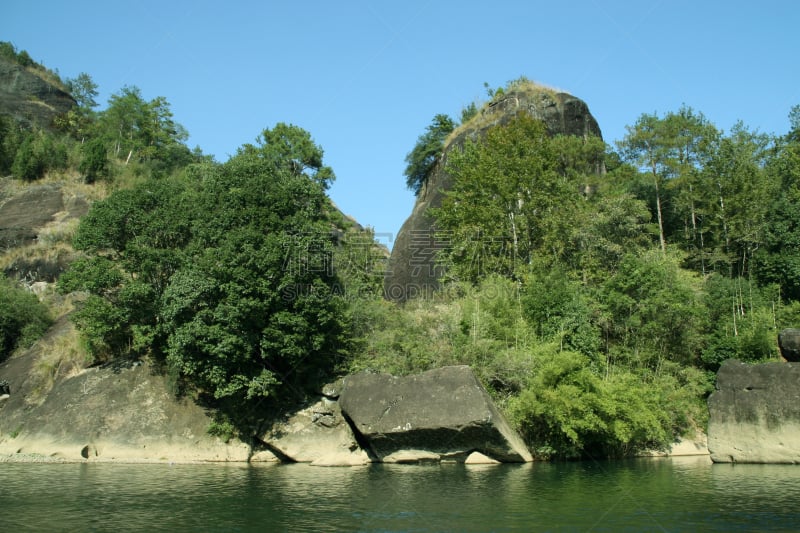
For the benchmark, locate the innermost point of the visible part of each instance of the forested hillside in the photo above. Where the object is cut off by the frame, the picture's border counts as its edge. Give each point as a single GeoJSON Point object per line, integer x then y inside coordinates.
{"type": "Point", "coordinates": [595, 305]}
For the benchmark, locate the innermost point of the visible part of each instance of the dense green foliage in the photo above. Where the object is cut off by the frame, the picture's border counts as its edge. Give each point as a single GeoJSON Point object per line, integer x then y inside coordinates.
{"type": "Point", "coordinates": [222, 273]}
{"type": "Point", "coordinates": [132, 136]}
{"type": "Point", "coordinates": [23, 319]}
{"type": "Point", "coordinates": [596, 306]}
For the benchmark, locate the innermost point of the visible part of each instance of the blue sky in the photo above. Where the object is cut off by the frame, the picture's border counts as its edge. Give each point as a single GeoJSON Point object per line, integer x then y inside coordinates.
{"type": "Point", "coordinates": [365, 78]}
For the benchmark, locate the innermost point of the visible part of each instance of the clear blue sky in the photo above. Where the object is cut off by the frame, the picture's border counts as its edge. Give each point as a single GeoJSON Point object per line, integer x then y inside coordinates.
{"type": "Point", "coordinates": [366, 77]}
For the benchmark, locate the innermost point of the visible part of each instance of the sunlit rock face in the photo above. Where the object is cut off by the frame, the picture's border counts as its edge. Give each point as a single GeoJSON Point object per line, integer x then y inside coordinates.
{"type": "Point", "coordinates": [754, 414]}
{"type": "Point", "coordinates": [412, 271]}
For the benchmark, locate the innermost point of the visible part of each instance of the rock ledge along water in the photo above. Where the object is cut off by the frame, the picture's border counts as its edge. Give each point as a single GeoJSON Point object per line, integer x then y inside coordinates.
{"type": "Point", "coordinates": [442, 414]}
{"type": "Point", "coordinates": [754, 415]}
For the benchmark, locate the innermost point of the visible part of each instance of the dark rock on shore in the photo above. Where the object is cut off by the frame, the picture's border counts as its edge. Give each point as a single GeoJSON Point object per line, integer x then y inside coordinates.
{"type": "Point", "coordinates": [789, 344]}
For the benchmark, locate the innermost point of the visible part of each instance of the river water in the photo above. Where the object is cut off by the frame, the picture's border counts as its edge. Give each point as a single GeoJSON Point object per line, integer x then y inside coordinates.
{"type": "Point", "coordinates": [656, 494]}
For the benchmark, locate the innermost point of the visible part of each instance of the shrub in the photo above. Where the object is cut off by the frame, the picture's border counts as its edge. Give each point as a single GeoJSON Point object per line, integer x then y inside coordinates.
{"type": "Point", "coordinates": [23, 319]}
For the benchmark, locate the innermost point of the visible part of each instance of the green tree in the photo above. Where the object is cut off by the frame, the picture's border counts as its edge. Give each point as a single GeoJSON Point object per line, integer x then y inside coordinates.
{"type": "Point", "coordinates": [742, 319]}
{"type": "Point", "coordinates": [743, 192]}
{"type": "Point", "coordinates": [691, 140]}
{"type": "Point", "coordinates": [140, 130]}
{"type": "Point", "coordinates": [777, 259]}
{"type": "Point", "coordinates": [650, 309]}
{"type": "Point", "coordinates": [94, 164]}
{"type": "Point", "coordinates": [514, 196]}
{"type": "Point", "coordinates": [287, 148]}
{"type": "Point", "coordinates": [559, 311]}
{"type": "Point", "coordinates": [28, 165]}
{"type": "Point", "coordinates": [224, 274]}
{"type": "Point", "coordinates": [78, 120]}
{"type": "Point", "coordinates": [612, 225]}
{"type": "Point", "coordinates": [423, 158]}
{"type": "Point", "coordinates": [84, 90]}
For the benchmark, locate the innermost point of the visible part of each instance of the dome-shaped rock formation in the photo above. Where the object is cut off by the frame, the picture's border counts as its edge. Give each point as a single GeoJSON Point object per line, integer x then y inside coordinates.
{"type": "Point", "coordinates": [412, 270]}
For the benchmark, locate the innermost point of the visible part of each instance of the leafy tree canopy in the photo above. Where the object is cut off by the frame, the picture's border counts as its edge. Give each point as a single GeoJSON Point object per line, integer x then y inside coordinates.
{"type": "Point", "coordinates": [422, 159]}
{"type": "Point", "coordinates": [224, 273]}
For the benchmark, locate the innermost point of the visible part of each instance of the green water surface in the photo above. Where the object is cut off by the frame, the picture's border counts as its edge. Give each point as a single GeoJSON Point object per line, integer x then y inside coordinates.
{"type": "Point", "coordinates": [665, 494]}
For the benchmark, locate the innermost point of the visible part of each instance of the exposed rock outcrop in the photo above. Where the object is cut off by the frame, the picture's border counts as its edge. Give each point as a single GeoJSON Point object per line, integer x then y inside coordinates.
{"type": "Point", "coordinates": [442, 414]}
{"type": "Point", "coordinates": [22, 214]}
{"type": "Point", "coordinates": [116, 413]}
{"type": "Point", "coordinates": [754, 414]}
{"type": "Point", "coordinates": [789, 344]}
{"type": "Point", "coordinates": [27, 214]}
{"type": "Point", "coordinates": [28, 98]}
{"type": "Point", "coordinates": [412, 271]}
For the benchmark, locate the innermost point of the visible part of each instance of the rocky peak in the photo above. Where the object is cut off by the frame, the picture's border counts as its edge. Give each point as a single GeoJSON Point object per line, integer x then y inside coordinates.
{"type": "Point", "coordinates": [412, 271]}
{"type": "Point", "coordinates": [29, 98]}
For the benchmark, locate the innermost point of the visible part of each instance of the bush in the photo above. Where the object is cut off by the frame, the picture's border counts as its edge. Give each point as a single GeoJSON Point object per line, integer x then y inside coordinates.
{"type": "Point", "coordinates": [37, 153]}
{"type": "Point", "coordinates": [569, 410]}
{"type": "Point", "coordinates": [94, 164]}
{"type": "Point", "coordinates": [23, 319]}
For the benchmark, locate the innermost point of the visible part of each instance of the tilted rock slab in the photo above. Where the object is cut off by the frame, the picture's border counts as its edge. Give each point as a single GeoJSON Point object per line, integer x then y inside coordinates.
{"type": "Point", "coordinates": [442, 414]}
{"type": "Point", "coordinates": [754, 415]}
{"type": "Point", "coordinates": [316, 434]}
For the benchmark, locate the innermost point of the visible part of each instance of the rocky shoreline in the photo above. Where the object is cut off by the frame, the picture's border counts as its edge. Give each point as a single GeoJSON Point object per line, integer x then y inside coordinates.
{"type": "Point", "coordinates": [124, 414]}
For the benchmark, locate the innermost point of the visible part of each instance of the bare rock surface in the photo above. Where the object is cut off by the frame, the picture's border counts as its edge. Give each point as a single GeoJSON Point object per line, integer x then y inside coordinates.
{"type": "Point", "coordinates": [122, 412]}
{"type": "Point", "coordinates": [22, 214]}
{"type": "Point", "coordinates": [28, 98]}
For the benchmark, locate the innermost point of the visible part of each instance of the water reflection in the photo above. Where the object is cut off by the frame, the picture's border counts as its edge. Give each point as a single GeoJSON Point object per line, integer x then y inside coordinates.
{"type": "Point", "coordinates": [667, 494]}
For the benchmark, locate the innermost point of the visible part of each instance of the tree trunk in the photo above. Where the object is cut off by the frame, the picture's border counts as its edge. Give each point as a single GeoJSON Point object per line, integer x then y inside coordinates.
{"type": "Point", "coordinates": [661, 238]}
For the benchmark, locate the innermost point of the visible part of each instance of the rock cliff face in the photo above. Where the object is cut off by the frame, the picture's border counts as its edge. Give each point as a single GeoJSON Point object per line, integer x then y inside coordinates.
{"type": "Point", "coordinates": [28, 98]}
{"type": "Point", "coordinates": [412, 271]}
{"type": "Point", "coordinates": [26, 215]}
{"type": "Point", "coordinates": [754, 415]}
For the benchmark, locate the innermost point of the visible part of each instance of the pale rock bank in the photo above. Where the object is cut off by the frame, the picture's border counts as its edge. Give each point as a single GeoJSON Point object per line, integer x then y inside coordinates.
{"type": "Point", "coordinates": [754, 413]}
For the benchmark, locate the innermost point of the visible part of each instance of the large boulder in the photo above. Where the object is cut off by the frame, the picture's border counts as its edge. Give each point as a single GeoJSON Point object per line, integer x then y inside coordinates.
{"type": "Point", "coordinates": [754, 414]}
{"type": "Point", "coordinates": [789, 343]}
{"type": "Point", "coordinates": [442, 414]}
{"type": "Point", "coordinates": [316, 434]}
{"type": "Point", "coordinates": [412, 270]}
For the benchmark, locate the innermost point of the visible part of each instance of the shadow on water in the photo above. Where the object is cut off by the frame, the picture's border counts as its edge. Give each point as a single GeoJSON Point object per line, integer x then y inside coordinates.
{"type": "Point", "coordinates": [666, 494]}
